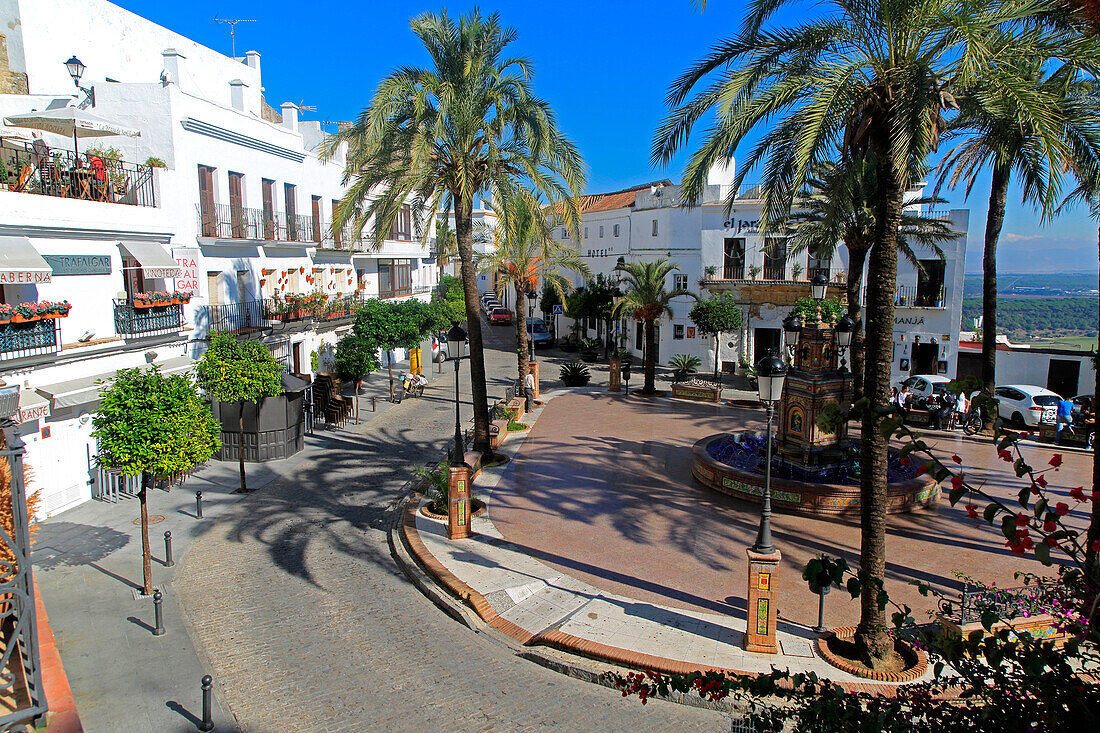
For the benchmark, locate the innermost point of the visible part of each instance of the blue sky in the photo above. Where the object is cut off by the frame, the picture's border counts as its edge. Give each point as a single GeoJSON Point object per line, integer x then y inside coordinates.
{"type": "Point", "coordinates": [604, 67]}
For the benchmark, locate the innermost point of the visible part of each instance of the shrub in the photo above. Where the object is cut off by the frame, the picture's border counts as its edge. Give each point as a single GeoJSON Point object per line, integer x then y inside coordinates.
{"type": "Point", "coordinates": [438, 486]}
{"type": "Point", "coordinates": [154, 162]}
{"type": "Point", "coordinates": [685, 363]}
{"type": "Point", "coordinates": [575, 374]}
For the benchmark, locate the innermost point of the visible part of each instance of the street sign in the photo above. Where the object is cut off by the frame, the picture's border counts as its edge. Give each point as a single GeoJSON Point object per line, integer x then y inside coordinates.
{"type": "Point", "coordinates": [558, 310]}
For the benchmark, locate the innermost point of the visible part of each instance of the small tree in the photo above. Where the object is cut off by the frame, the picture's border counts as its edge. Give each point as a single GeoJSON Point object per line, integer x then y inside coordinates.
{"type": "Point", "coordinates": [388, 325]}
{"type": "Point", "coordinates": [239, 371]}
{"type": "Point", "coordinates": [452, 301]}
{"type": "Point", "coordinates": [152, 425]}
{"type": "Point", "coordinates": [714, 316]}
{"type": "Point", "coordinates": [356, 357]}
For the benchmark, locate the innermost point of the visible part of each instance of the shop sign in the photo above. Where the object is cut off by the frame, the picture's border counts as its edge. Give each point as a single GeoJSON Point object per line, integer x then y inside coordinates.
{"type": "Point", "coordinates": [909, 321]}
{"type": "Point", "coordinates": [79, 264]}
{"type": "Point", "coordinates": [35, 412]}
{"type": "Point", "coordinates": [187, 281]}
{"type": "Point", "coordinates": [23, 277]}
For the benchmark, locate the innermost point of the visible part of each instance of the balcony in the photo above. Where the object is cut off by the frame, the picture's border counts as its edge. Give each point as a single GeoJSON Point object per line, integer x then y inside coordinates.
{"type": "Point", "coordinates": [56, 172]}
{"type": "Point", "coordinates": [226, 221]}
{"type": "Point", "coordinates": [157, 320]}
{"type": "Point", "coordinates": [34, 338]}
{"type": "Point", "coordinates": [253, 317]}
{"type": "Point", "coordinates": [915, 296]}
{"type": "Point", "coordinates": [243, 319]}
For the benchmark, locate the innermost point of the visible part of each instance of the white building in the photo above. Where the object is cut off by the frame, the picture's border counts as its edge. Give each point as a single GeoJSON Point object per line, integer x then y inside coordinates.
{"type": "Point", "coordinates": [220, 197]}
{"type": "Point", "coordinates": [714, 252]}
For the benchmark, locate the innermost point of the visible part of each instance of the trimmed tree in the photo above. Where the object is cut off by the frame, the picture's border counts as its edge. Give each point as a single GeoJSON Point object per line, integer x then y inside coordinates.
{"type": "Point", "coordinates": [356, 357]}
{"type": "Point", "coordinates": [153, 426]}
{"type": "Point", "coordinates": [714, 316]}
{"type": "Point", "coordinates": [647, 300]}
{"type": "Point", "coordinates": [239, 371]}
{"type": "Point", "coordinates": [393, 325]}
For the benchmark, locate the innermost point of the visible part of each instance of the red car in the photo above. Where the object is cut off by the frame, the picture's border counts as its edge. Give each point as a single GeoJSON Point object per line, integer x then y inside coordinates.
{"type": "Point", "coordinates": [500, 316]}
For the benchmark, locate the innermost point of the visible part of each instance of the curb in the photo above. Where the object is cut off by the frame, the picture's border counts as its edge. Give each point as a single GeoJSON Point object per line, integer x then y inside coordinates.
{"type": "Point", "coordinates": [62, 716]}
{"type": "Point", "coordinates": [847, 632]}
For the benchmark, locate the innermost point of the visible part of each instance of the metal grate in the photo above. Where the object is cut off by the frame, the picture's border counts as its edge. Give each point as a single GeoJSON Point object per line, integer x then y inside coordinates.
{"type": "Point", "coordinates": [156, 321]}
{"type": "Point", "coordinates": [20, 340]}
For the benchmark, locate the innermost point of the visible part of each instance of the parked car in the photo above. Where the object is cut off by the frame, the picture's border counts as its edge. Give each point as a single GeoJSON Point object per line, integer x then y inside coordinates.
{"type": "Point", "coordinates": [1025, 405]}
{"type": "Point", "coordinates": [924, 386]}
{"type": "Point", "coordinates": [500, 317]}
{"type": "Point", "coordinates": [439, 346]}
{"type": "Point", "coordinates": [538, 333]}
{"type": "Point", "coordinates": [491, 303]}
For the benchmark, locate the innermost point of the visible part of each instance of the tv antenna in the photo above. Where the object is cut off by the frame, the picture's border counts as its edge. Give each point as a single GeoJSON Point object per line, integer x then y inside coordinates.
{"type": "Point", "coordinates": [232, 23]}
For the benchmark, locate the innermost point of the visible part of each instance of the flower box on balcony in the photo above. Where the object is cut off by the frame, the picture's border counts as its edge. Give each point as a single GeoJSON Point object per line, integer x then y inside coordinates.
{"type": "Point", "coordinates": [160, 299]}
{"type": "Point", "coordinates": [30, 312]}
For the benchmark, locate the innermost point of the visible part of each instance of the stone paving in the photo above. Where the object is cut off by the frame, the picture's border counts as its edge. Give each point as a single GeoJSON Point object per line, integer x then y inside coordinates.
{"type": "Point", "coordinates": [293, 603]}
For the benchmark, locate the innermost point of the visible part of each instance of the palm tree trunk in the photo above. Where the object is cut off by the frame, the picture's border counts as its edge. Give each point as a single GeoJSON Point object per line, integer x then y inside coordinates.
{"type": "Point", "coordinates": [524, 363]}
{"type": "Point", "coordinates": [650, 357]}
{"type": "Point", "coordinates": [464, 238]}
{"type": "Point", "coordinates": [146, 556]}
{"type": "Point", "coordinates": [857, 257]}
{"type": "Point", "coordinates": [240, 445]}
{"type": "Point", "coordinates": [872, 640]}
{"type": "Point", "coordinates": [998, 193]}
{"type": "Point", "coordinates": [717, 346]}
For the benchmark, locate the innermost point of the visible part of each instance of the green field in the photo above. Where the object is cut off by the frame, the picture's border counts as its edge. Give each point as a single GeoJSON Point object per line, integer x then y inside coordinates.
{"type": "Point", "coordinates": [1081, 343]}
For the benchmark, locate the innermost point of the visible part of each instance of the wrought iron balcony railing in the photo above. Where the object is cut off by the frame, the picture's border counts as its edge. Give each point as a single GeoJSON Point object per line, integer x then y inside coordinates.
{"type": "Point", "coordinates": [226, 221]}
{"type": "Point", "coordinates": [912, 296]}
{"type": "Point", "coordinates": [775, 272]}
{"type": "Point", "coordinates": [57, 172]}
{"type": "Point", "coordinates": [244, 318]}
{"type": "Point", "coordinates": [35, 338]}
{"type": "Point", "coordinates": [158, 320]}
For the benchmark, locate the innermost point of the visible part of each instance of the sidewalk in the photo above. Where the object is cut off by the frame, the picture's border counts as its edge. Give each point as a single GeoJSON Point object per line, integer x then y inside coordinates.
{"type": "Point", "coordinates": [537, 605]}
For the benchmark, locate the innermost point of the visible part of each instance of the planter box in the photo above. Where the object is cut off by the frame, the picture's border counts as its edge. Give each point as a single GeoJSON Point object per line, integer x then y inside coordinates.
{"type": "Point", "coordinates": [696, 393]}
{"type": "Point", "coordinates": [1041, 628]}
{"type": "Point", "coordinates": [16, 318]}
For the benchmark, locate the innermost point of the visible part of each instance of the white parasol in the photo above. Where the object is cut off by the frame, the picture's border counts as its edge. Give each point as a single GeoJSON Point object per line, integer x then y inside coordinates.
{"type": "Point", "coordinates": [70, 122]}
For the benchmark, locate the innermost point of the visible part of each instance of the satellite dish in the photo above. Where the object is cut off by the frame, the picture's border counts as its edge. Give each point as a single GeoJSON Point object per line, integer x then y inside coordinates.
{"type": "Point", "coordinates": [86, 336]}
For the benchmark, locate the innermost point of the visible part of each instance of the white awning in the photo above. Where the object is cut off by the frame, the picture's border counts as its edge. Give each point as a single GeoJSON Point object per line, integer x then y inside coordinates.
{"type": "Point", "coordinates": [85, 390]}
{"type": "Point", "coordinates": [32, 406]}
{"type": "Point", "coordinates": [154, 259]}
{"type": "Point", "coordinates": [20, 263]}
{"type": "Point", "coordinates": [177, 365]}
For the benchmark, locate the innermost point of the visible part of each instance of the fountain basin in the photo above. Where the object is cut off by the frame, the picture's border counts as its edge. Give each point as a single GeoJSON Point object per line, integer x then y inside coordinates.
{"type": "Point", "coordinates": [803, 497]}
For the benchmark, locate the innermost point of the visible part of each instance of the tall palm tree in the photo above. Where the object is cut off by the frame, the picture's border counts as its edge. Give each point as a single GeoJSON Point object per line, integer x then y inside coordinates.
{"type": "Point", "coordinates": [859, 76]}
{"type": "Point", "coordinates": [647, 299]}
{"type": "Point", "coordinates": [840, 209]}
{"type": "Point", "coordinates": [999, 134]}
{"type": "Point", "coordinates": [446, 246]}
{"type": "Point", "coordinates": [524, 254]}
{"type": "Point", "coordinates": [468, 124]}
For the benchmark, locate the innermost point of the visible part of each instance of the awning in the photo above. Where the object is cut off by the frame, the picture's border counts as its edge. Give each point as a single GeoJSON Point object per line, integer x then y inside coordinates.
{"type": "Point", "coordinates": [75, 391]}
{"type": "Point", "coordinates": [32, 406]}
{"type": "Point", "coordinates": [177, 365]}
{"type": "Point", "coordinates": [20, 263]}
{"type": "Point", "coordinates": [154, 260]}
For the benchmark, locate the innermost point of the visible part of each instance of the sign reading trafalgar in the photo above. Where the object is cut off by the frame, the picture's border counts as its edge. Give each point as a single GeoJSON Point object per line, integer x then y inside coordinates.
{"type": "Point", "coordinates": [79, 264]}
{"type": "Point", "coordinates": [187, 281]}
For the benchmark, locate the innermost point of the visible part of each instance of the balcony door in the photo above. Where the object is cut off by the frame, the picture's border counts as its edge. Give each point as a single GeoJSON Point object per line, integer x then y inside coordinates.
{"type": "Point", "coordinates": [213, 288]}
{"type": "Point", "coordinates": [290, 201]}
{"type": "Point", "coordinates": [775, 258]}
{"type": "Point", "coordinates": [269, 209]}
{"type": "Point", "coordinates": [733, 259]}
{"type": "Point", "coordinates": [317, 219]}
{"type": "Point", "coordinates": [236, 205]}
{"type": "Point", "coordinates": [133, 281]}
{"type": "Point", "coordinates": [207, 212]}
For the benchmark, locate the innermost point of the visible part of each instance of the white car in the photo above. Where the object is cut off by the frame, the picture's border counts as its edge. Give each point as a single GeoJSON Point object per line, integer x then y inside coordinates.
{"type": "Point", "coordinates": [1025, 405]}
{"type": "Point", "coordinates": [924, 386]}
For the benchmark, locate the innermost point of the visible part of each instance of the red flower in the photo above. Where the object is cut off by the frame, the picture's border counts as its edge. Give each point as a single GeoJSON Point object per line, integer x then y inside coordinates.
{"type": "Point", "coordinates": [1004, 455]}
{"type": "Point", "coordinates": [957, 481]}
{"type": "Point", "coordinates": [1041, 480]}
{"type": "Point", "coordinates": [905, 460]}
{"type": "Point", "coordinates": [1056, 460]}
{"type": "Point", "coordinates": [1079, 493]}
{"type": "Point", "coordinates": [1022, 520]}
{"type": "Point", "coordinates": [1049, 526]}
{"type": "Point", "coordinates": [971, 511]}
{"type": "Point", "coordinates": [1095, 546]}
{"type": "Point", "coordinates": [1016, 547]}
{"type": "Point", "coordinates": [922, 469]}
{"type": "Point", "coordinates": [956, 459]}
{"type": "Point", "coordinates": [1061, 509]}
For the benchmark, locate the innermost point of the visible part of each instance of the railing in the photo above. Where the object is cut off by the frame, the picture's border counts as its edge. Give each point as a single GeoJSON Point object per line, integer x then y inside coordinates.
{"type": "Point", "coordinates": [156, 321]}
{"type": "Point", "coordinates": [734, 271]}
{"type": "Point", "coordinates": [55, 172]}
{"type": "Point", "coordinates": [813, 272]}
{"type": "Point", "coordinates": [775, 272]}
{"type": "Point", "coordinates": [226, 221]}
{"type": "Point", "coordinates": [242, 318]}
{"type": "Point", "coordinates": [910, 296]}
{"type": "Point", "coordinates": [1007, 603]}
{"type": "Point", "coordinates": [36, 338]}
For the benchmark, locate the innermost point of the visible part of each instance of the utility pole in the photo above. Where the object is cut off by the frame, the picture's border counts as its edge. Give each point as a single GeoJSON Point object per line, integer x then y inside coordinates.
{"type": "Point", "coordinates": [232, 23]}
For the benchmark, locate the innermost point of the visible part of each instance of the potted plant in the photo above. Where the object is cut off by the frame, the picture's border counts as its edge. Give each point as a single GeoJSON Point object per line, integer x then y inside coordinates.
{"type": "Point", "coordinates": [796, 271]}
{"type": "Point", "coordinates": [589, 349]}
{"type": "Point", "coordinates": [683, 366]}
{"type": "Point", "coordinates": [575, 374]}
{"type": "Point", "coordinates": [939, 298]}
{"type": "Point", "coordinates": [754, 270]}
{"type": "Point", "coordinates": [625, 356]}
{"type": "Point", "coordinates": [5, 312]}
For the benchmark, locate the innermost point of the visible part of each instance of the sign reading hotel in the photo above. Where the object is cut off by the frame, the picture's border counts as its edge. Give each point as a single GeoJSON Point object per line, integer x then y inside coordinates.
{"type": "Point", "coordinates": [79, 264]}
{"type": "Point", "coordinates": [187, 281]}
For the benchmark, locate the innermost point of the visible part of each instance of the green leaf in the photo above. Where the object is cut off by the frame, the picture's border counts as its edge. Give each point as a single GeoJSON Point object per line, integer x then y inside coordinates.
{"type": "Point", "coordinates": [988, 618]}
{"type": "Point", "coordinates": [854, 587]}
{"type": "Point", "coordinates": [989, 513]}
{"type": "Point", "coordinates": [1008, 527]}
{"type": "Point", "coordinates": [956, 494]}
{"type": "Point", "coordinates": [1042, 553]}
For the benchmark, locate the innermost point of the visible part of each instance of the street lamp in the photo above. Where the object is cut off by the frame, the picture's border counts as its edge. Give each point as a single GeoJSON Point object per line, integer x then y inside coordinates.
{"type": "Point", "coordinates": [818, 286]}
{"type": "Point", "coordinates": [770, 373]}
{"type": "Point", "coordinates": [76, 68]}
{"type": "Point", "coordinates": [531, 295]}
{"type": "Point", "coordinates": [456, 349]}
{"type": "Point", "coordinates": [792, 326]}
{"type": "Point", "coordinates": [844, 328]}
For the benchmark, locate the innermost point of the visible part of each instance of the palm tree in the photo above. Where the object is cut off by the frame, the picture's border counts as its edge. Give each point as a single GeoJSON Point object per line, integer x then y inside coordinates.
{"type": "Point", "coordinates": [840, 208]}
{"type": "Point", "coordinates": [446, 246]}
{"type": "Point", "coordinates": [524, 254]}
{"type": "Point", "coordinates": [438, 136]}
{"type": "Point", "coordinates": [647, 299]}
{"type": "Point", "coordinates": [862, 77]}
{"type": "Point", "coordinates": [999, 134]}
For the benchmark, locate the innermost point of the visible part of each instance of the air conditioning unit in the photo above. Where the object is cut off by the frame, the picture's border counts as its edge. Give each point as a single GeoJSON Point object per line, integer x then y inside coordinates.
{"type": "Point", "coordinates": [9, 402]}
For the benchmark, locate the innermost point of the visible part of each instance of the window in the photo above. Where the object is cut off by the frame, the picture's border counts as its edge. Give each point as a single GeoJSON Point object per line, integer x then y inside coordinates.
{"type": "Point", "coordinates": [734, 259]}
{"type": "Point", "coordinates": [208, 217]}
{"type": "Point", "coordinates": [564, 233]}
{"type": "Point", "coordinates": [601, 231]}
{"type": "Point", "coordinates": [775, 258]}
{"type": "Point", "coordinates": [817, 265]}
{"type": "Point", "coordinates": [290, 202]}
{"type": "Point", "coordinates": [930, 282]}
{"type": "Point", "coordinates": [679, 282]}
{"type": "Point", "coordinates": [654, 228]}
{"type": "Point", "coordinates": [586, 232]}
{"type": "Point", "coordinates": [678, 329]}
{"type": "Point", "coordinates": [394, 278]}
{"type": "Point", "coordinates": [401, 229]}
{"type": "Point", "coordinates": [615, 230]}
{"type": "Point", "coordinates": [268, 187]}
{"type": "Point", "coordinates": [236, 205]}
{"type": "Point", "coordinates": [132, 278]}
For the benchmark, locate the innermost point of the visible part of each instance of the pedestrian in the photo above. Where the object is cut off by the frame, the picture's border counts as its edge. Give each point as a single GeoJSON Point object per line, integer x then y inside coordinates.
{"type": "Point", "coordinates": [529, 391]}
{"type": "Point", "coordinates": [1065, 419]}
{"type": "Point", "coordinates": [942, 407]}
{"type": "Point", "coordinates": [962, 406]}
{"type": "Point", "coordinates": [903, 401]}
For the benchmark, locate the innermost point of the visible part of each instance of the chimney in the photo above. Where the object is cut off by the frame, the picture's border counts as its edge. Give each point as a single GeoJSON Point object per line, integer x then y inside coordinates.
{"type": "Point", "coordinates": [173, 61]}
{"type": "Point", "coordinates": [290, 116]}
{"type": "Point", "coordinates": [252, 60]}
{"type": "Point", "coordinates": [236, 94]}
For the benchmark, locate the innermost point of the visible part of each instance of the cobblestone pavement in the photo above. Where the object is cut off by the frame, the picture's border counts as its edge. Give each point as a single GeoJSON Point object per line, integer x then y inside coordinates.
{"type": "Point", "coordinates": [297, 608]}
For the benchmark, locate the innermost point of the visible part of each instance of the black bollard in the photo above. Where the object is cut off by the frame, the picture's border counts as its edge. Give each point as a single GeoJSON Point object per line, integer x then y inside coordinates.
{"type": "Point", "coordinates": [207, 714]}
{"type": "Point", "coordinates": [821, 593]}
{"type": "Point", "coordinates": [168, 561]}
{"type": "Point", "coordinates": [198, 504]}
{"type": "Point", "coordinates": [158, 622]}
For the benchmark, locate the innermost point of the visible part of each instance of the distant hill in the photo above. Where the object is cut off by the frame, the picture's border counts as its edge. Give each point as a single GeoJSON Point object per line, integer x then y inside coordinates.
{"type": "Point", "coordinates": [1027, 317]}
{"type": "Point", "coordinates": [1019, 285]}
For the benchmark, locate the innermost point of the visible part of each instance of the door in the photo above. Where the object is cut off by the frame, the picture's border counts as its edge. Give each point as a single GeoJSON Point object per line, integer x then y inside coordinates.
{"type": "Point", "coordinates": [734, 259]}
{"type": "Point", "coordinates": [297, 357]}
{"type": "Point", "coordinates": [213, 288]}
{"type": "Point", "coordinates": [639, 336]}
{"type": "Point", "coordinates": [290, 202]}
{"type": "Point", "coordinates": [317, 219]}
{"type": "Point", "coordinates": [236, 205]}
{"type": "Point", "coordinates": [132, 278]}
{"type": "Point", "coordinates": [207, 216]}
{"type": "Point", "coordinates": [269, 209]}
{"type": "Point", "coordinates": [765, 341]}
{"type": "Point", "coordinates": [1063, 376]}
{"type": "Point", "coordinates": [924, 358]}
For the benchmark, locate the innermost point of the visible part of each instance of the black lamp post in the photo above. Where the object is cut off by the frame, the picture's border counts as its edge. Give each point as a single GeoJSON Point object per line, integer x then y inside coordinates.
{"type": "Point", "coordinates": [76, 68]}
{"type": "Point", "coordinates": [792, 326]}
{"type": "Point", "coordinates": [818, 286]}
{"type": "Point", "coordinates": [531, 296]}
{"type": "Point", "coordinates": [844, 328]}
{"type": "Point", "coordinates": [456, 349]}
{"type": "Point", "coordinates": [770, 373]}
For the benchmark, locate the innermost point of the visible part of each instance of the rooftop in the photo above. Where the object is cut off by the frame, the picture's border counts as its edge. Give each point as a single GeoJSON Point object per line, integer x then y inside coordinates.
{"type": "Point", "coordinates": [616, 199]}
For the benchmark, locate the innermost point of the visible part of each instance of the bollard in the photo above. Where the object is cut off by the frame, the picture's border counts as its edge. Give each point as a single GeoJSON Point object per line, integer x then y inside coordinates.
{"type": "Point", "coordinates": [374, 404]}
{"type": "Point", "coordinates": [821, 593]}
{"type": "Point", "coordinates": [198, 504]}
{"type": "Point", "coordinates": [207, 716]}
{"type": "Point", "coordinates": [158, 622]}
{"type": "Point", "coordinates": [168, 561]}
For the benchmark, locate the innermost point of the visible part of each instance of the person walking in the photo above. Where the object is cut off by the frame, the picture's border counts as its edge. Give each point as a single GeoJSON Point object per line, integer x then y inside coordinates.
{"type": "Point", "coordinates": [529, 391]}
{"type": "Point", "coordinates": [962, 406]}
{"type": "Point", "coordinates": [904, 397]}
{"type": "Point", "coordinates": [1065, 419]}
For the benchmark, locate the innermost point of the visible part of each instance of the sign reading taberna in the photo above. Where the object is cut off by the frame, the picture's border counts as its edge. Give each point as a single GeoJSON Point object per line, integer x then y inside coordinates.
{"type": "Point", "coordinates": [20, 263]}
{"type": "Point", "coordinates": [79, 264]}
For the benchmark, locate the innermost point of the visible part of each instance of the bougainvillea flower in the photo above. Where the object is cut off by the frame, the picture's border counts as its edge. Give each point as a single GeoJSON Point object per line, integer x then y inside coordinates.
{"type": "Point", "coordinates": [1061, 509]}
